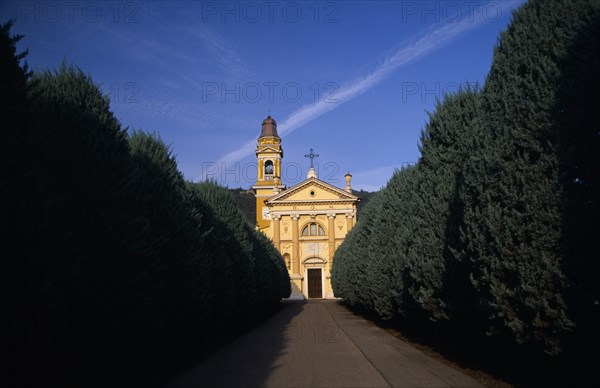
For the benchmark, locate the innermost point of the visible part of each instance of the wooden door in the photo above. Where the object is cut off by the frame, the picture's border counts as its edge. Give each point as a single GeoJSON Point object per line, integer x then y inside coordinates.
{"type": "Point", "coordinates": [315, 284]}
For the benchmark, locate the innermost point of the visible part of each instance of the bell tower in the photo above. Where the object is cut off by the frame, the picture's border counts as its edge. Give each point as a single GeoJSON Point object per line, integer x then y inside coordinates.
{"type": "Point", "coordinates": [268, 179]}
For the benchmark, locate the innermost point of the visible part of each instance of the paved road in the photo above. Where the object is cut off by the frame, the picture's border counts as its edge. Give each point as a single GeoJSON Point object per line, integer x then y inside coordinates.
{"type": "Point", "coordinates": [320, 344]}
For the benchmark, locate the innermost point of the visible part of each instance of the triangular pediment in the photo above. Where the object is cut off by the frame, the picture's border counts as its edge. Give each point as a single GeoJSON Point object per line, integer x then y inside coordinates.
{"type": "Point", "coordinates": [267, 148]}
{"type": "Point", "coordinates": [312, 189]}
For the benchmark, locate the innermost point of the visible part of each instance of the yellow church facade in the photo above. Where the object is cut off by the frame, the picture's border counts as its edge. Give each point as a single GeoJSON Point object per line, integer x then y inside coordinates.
{"type": "Point", "coordinates": [306, 222]}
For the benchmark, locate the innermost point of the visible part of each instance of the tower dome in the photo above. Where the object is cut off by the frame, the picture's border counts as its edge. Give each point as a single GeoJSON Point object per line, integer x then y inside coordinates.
{"type": "Point", "coordinates": [269, 127]}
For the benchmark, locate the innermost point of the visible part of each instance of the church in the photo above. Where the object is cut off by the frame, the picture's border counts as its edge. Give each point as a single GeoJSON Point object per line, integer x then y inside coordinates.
{"type": "Point", "coordinates": [306, 222]}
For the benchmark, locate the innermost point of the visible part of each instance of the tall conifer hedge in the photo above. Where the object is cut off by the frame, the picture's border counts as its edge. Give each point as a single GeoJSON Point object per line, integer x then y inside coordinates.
{"type": "Point", "coordinates": [492, 230]}
{"type": "Point", "coordinates": [112, 261]}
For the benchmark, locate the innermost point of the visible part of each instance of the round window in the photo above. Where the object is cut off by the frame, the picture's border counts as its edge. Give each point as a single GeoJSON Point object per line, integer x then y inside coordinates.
{"type": "Point", "coordinates": [312, 193]}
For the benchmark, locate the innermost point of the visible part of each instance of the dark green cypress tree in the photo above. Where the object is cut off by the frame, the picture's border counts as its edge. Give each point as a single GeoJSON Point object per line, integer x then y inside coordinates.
{"type": "Point", "coordinates": [13, 121]}
{"type": "Point", "coordinates": [387, 246]}
{"type": "Point", "coordinates": [14, 127]}
{"type": "Point", "coordinates": [70, 181]}
{"type": "Point", "coordinates": [235, 236]}
{"type": "Point", "coordinates": [272, 277]}
{"type": "Point", "coordinates": [109, 255]}
{"type": "Point", "coordinates": [257, 270]}
{"type": "Point", "coordinates": [404, 246]}
{"type": "Point", "coordinates": [221, 272]}
{"type": "Point", "coordinates": [446, 143]}
{"type": "Point", "coordinates": [375, 267]}
{"type": "Point", "coordinates": [578, 118]}
{"type": "Point", "coordinates": [341, 271]}
{"type": "Point", "coordinates": [380, 258]}
{"type": "Point", "coordinates": [163, 252]}
{"type": "Point", "coordinates": [369, 276]}
{"type": "Point", "coordinates": [348, 275]}
{"type": "Point", "coordinates": [412, 299]}
{"type": "Point", "coordinates": [511, 192]}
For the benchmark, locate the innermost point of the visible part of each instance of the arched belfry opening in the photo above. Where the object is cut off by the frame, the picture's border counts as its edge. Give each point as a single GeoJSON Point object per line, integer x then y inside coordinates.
{"type": "Point", "coordinates": [269, 170]}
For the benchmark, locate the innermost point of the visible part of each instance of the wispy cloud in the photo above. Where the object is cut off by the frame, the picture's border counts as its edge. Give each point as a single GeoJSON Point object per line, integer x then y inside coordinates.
{"type": "Point", "coordinates": [143, 48]}
{"type": "Point", "coordinates": [221, 53]}
{"type": "Point", "coordinates": [416, 48]}
{"type": "Point", "coordinates": [162, 47]}
{"type": "Point", "coordinates": [165, 105]}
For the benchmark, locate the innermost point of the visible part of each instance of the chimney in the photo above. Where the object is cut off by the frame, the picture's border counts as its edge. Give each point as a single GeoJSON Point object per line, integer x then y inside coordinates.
{"type": "Point", "coordinates": [348, 179]}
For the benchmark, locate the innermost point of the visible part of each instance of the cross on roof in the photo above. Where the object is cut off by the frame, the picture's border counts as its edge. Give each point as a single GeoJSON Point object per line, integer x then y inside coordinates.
{"type": "Point", "coordinates": [312, 156]}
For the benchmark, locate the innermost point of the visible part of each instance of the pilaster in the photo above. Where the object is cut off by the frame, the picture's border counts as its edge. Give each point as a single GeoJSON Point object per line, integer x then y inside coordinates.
{"type": "Point", "coordinates": [349, 221]}
{"type": "Point", "coordinates": [276, 232]}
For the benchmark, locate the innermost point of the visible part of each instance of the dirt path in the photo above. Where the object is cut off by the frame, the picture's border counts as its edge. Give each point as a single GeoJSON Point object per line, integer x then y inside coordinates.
{"type": "Point", "coordinates": [320, 344]}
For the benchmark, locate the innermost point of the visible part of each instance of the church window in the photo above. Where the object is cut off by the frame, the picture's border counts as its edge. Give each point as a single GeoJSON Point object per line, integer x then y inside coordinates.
{"type": "Point", "coordinates": [313, 229]}
{"type": "Point", "coordinates": [269, 169]}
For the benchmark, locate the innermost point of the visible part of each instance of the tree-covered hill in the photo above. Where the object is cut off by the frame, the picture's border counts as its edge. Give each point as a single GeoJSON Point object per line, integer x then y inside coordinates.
{"type": "Point", "coordinates": [246, 201]}
{"type": "Point", "coordinates": [364, 196]}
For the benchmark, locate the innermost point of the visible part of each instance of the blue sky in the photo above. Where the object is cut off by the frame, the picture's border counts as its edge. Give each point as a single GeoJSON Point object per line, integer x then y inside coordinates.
{"type": "Point", "coordinates": [353, 80]}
